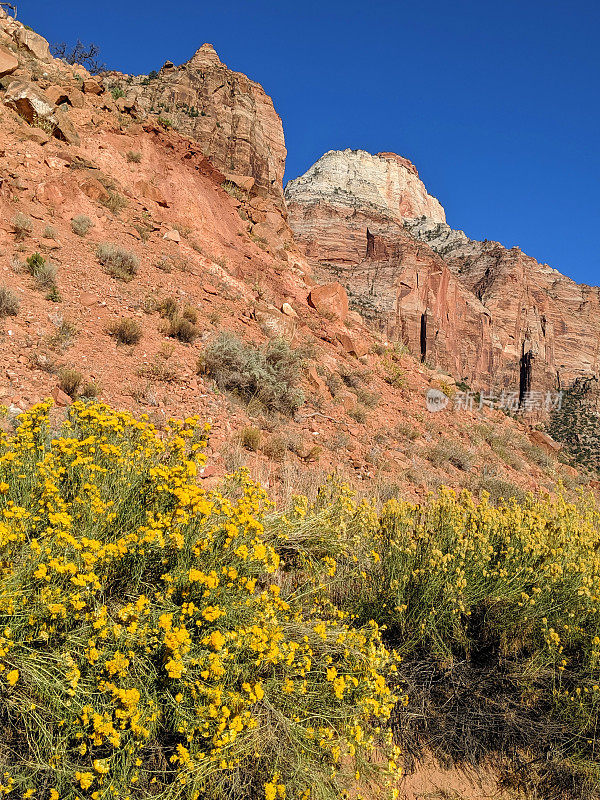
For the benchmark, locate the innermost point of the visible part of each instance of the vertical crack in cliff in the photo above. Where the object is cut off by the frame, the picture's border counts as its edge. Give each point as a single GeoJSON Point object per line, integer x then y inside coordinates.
{"type": "Point", "coordinates": [525, 374]}
{"type": "Point", "coordinates": [424, 337]}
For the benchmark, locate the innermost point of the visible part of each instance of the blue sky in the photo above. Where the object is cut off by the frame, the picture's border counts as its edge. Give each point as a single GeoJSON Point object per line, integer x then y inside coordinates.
{"type": "Point", "coordinates": [496, 103]}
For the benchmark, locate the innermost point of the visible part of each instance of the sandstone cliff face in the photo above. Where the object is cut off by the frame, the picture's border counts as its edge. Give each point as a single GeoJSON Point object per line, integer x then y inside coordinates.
{"type": "Point", "coordinates": [535, 309]}
{"type": "Point", "coordinates": [492, 316]}
{"type": "Point", "coordinates": [358, 190]}
{"type": "Point", "coordinates": [231, 117]}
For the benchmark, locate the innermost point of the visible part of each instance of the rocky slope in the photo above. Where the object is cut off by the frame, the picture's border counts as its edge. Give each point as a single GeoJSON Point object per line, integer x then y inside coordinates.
{"type": "Point", "coordinates": [71, 148]}
{"type": "Point", "coordinates": [230, 116]}
{"type": "Point", "coordinates": [492, 316]}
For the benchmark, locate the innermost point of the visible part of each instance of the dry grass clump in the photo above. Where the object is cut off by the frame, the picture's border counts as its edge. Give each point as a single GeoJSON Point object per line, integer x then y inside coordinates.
{"type": "Point", "coordinates": [268, 375]}
{"type": "Point", "coordinates": [118, 262]}
{"type": "Point", "coordinates": [70, 380]}
{"type": "Point", "coordinates": [275, 448]}
{"type": "Point", "coordinates": [81, 224]}
{"type": "Point", "coordinates": [9, 302]}
{"type": "Point", "coordinates": [182, 329]}
{"type": "Point", "coordinates": [64, 336]}
{"type": "Point", "coordinates": [250, 438]}
{"type": "Point", "coordinates": [126, 331]}
{"type": "Point", "coordinates": [22, 226]}
{"type": "Point", "coordinates": [114, 201]}
{"type": "Point", "coordinates": [451, 453]}
{"type": "Point", "coordinates": [133, 157]}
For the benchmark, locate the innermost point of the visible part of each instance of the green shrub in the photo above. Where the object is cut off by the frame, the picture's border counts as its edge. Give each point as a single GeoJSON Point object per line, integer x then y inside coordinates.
{"type": "Point", "coordinates": [126, 331]}
{"type": "Point", "coordinates": [81, 224]}
{"type": "Point", "coordinates": [9, 303]}
{"type": "Point", "coordinates": [163, 648]}
{"type": "Point", "coordinates": [118, 262]}
{"type": "Point", "coordinates": [269, 374]}
{"type": "Point", "coordinates": [42, 271]}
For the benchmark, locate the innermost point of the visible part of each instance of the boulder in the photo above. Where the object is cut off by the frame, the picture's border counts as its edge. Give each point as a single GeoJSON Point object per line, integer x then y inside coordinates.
{"type": "Point", "coordinates": [33, 43]}
{"type": "Point", "coordinates": [28, 101]}
{"type": "Point", "coordinates": [8, 62]}
{"type": "Point", "coordinates": [288, 310]}
{"type": "Point", "coordinates": [355, 345]}
{"type": "Point", "coordinates": [329, 300]}
{"type": "Point", "coordinates": [60, 397]}
{"type": "Point", "coordinates": [545, 441]}
{"type": "Point", "coordinates": [172, 236]}
{"type": "Point", "coordinates": [93, 189]}
{"type": "Point", "coordinates": [273, 322]}
{"type": "Point", "coordinates": [244, 182]}
{"type": "Point", "coordinates": [149, 192]}
{"type": "Point", "coordinates": [92, 86]}
{"type": "Point", "coordinates": [70, 95]}
{"type": "Point", "coordinates": [64, 128]}
{"type": "Point", "coordinates": [35, 108]}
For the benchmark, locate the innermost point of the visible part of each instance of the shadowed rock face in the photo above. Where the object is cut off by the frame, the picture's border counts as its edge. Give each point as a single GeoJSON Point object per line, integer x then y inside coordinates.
{"type": "Point", "coordinates": [495, 317]}
{"type": "Point", "coordinates": [230, 115]}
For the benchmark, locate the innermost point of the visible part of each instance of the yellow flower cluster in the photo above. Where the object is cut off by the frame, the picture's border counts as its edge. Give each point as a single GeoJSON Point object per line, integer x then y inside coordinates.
{"type": "Point", "coordinates": [154, 639]}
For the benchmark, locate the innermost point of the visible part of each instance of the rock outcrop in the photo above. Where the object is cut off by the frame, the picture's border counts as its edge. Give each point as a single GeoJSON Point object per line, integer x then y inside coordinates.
{"type": "Point", "coordinates": [345, 192]}
{"type": "Point", "coordinates": [231, 117]}
{"type": "Point", "coordinates": [492, 316]}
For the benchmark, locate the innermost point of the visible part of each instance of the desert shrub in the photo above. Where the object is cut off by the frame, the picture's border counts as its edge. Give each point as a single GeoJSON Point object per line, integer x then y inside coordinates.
{"type": "Point", "coordinates": [182, 329]}
{"type": "Point", "coordinates": [162, 648]}
{"type": "Point", "coordinates": [114, 201]}
{"type": "Point", "coordinates": [190, 313]}
{"type": "Point", "coordinates": [168, 307]}
{"type": "Point", "coordinates": [358, 414]}
{"type": "Point", "coordinates": [9, 302]}
{"type": "Point", "coordinates": [250, 438]}
{"type": "Point", "coordinates": [126, 331]}
{"type": "Point", "coordinates": [164, 264]}
{"type": "Point", "coordinates": [54, 295]}
{"type": "Point", "coordinates": [49, 232]}
{"type": "Point", "coordinates": [22, 226]}
{"type": "Point", "coordinates": [81, 224]}
{"type": "Point", "coordinates": [117, 92]}
{"type": "Point", "coordinates": [90, 390]}
{"type": "Point", "coordinates": [69, 380]}
{"type": "Point", "coordinates": [275, 448]}
{"type": "Point", "coordinates": [133, 157]}
{"type": "Point", "coordinates": [64, 335]}
{"type": "Point", "coordinates": [450, 453]}
{"type": "Point", "coordinates": [498, 489]}
{"type": "Point", "coordinates": [118, 262]}
{"type": "Point", "coordinates": [269, 374]}
{"type": "Point", "coordinates": [42, 271]}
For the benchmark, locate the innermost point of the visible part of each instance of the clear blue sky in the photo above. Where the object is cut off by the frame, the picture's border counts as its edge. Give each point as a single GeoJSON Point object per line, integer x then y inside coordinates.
{"type": "Point", "coordinates": [496, 103]}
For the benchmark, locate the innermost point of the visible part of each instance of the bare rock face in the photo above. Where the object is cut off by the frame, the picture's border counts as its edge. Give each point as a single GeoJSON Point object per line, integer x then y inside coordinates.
{"type": "Point", "coordinates": [230, 115]}
{"type": "Point", "coordinates": [8, 62]}
{"type": "Point", "coordinates": [358, 190]}
{"type": "Point", "coordinates": [492, 316]}
{"type": "Point", "coordinates": [37, 109]}
{"type": "Point", "coordinates": [540, 316]}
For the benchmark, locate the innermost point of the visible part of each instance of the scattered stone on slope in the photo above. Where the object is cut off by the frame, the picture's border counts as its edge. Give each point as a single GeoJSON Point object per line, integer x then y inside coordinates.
{"type": "Point", "coordinates": [329, 300]}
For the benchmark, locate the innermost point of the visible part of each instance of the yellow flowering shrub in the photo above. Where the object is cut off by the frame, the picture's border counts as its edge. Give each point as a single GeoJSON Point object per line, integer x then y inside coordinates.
{"type": "Point", "coordinates": [156, 640]}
